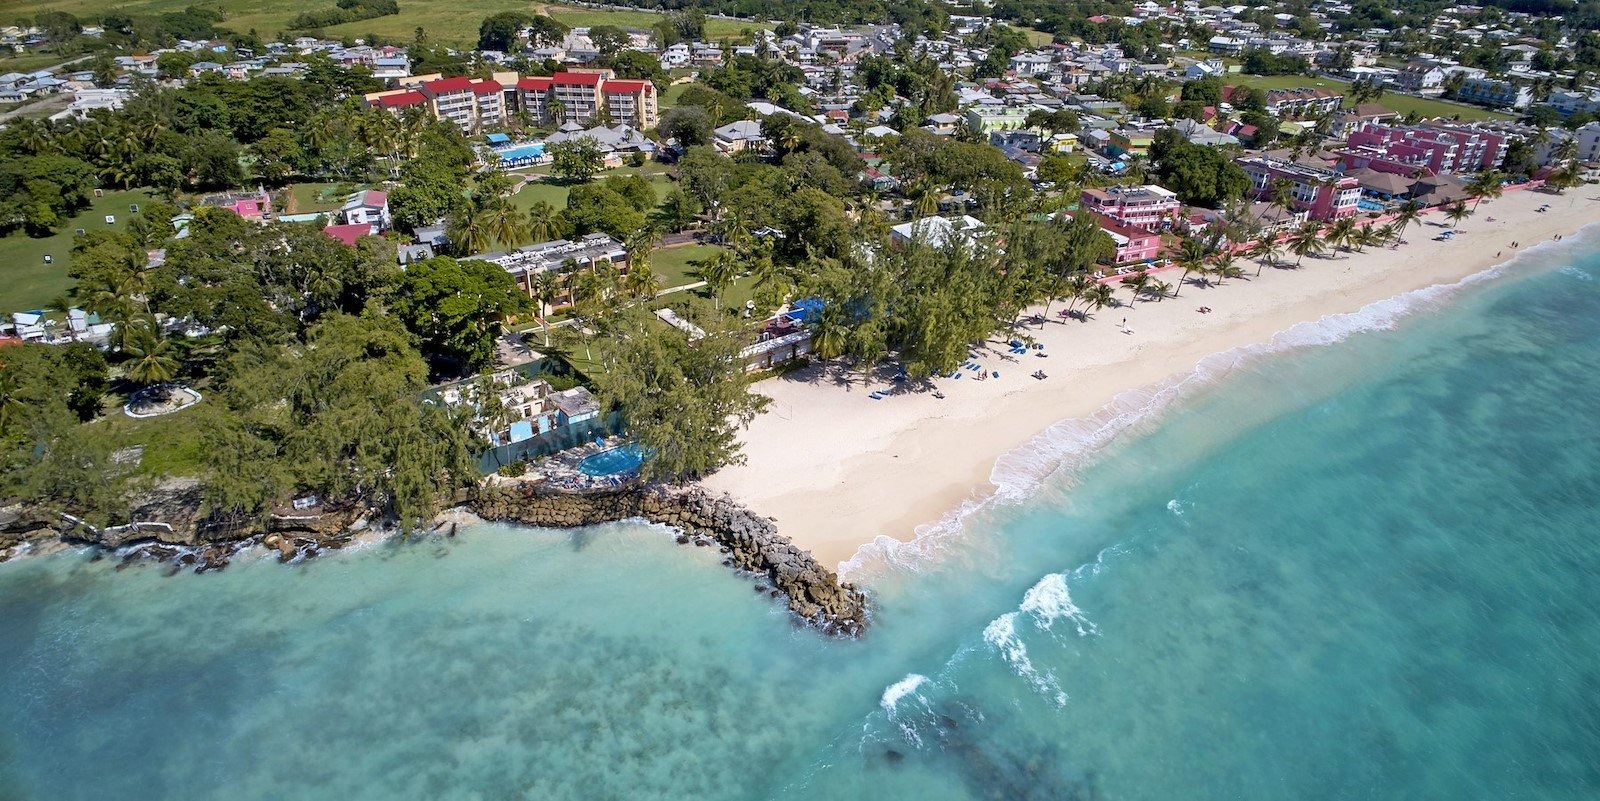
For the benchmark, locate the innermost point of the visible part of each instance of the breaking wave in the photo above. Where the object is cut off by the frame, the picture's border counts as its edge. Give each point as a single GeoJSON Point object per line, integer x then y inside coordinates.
{"type": "Point", "coordinates": [1067, 446]}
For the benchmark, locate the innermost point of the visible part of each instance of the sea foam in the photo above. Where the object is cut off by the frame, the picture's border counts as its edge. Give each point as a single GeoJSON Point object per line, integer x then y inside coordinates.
{"type": "Point", "coordinates": [1066, 447]}
{"type": "Point", "coordinates": [900, 689]}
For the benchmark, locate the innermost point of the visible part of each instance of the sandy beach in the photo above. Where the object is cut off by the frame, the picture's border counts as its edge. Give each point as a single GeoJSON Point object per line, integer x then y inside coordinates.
{"type": "Point", "coordinates": [838, 469]}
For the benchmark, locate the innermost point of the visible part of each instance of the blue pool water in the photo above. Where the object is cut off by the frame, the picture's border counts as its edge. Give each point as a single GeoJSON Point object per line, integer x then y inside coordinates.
{"type": "Point", "coordinates": [609, 463]}
{"type": "Point", "coordinates": [1370, 205]}
{"type": "Point", "coordinates": [1363, 571]}
{"type": "Point", "coordinates": [532, 151]}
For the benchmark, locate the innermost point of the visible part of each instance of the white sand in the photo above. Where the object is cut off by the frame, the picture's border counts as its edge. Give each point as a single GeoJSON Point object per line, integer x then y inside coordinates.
{"type": "Point", "coordinates": [837, 468]}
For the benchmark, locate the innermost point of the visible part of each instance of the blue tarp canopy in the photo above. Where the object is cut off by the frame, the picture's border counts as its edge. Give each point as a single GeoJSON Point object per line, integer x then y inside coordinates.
{"type": "Point", "coordinates": [498, 139]}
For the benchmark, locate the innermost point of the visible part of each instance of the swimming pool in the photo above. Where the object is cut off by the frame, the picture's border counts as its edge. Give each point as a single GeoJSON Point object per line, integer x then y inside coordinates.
{"type": "Point", "coordinates": [522, 152]}
{"type": "Point", "coordinates": [1370, 205]}
{"type": "Point", "coordinates": [625, 459]}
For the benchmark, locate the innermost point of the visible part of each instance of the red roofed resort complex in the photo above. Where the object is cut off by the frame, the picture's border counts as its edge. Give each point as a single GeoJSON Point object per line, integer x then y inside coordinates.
{"type": "Point", "coordinates": [581, 97]}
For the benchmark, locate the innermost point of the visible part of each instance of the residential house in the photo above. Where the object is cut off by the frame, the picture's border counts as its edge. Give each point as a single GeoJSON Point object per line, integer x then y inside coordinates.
{"type": "Point", "coordinates": [1421, 76]}
{"type": "Point", "coordinates": [985, 119]}
{"type": "Point", "coordinates": [367, 207]}
{"type": "Point", "coordinates": [256, 205]}
{"type": "Point", "coordinates": [739, 136]}
{"type": "Point", "coordinates": [938, 232]}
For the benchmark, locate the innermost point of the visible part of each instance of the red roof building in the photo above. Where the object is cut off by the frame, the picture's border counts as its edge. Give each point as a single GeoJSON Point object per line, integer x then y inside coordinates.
{"type": "Point", "coordinates": [348, 234]}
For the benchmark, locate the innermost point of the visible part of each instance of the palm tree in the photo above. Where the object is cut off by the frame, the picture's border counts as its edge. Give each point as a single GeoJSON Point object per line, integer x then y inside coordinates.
{"type": "Point", "coordinates": [1191, 257]}
{"type": "Point", "coordinates": [1222, 265]}
{"type": "Point", "coordinates": [557, 110]}
{"type": "Point", "coordinates": [1364, 236]}
{"type": "Point", "coordinates": [1097, 296]}
{"type": "Point", "coordinates": [544, 222]}
{"type": "Point", "coordinates": [1458, 212]}
{"type": "Point", "coordinates": [1306, 240]}
{"type": "Point", "coordinates": [1136, 283]}
{"type": "Point", "coordinates": [1264, 250]}
{"type": "Point", "coordinates": [12, 406]}
{"type": "Point", "coordinates": [1564, 177]}
{"type": "Point", "coordinates": [1486, 184]}
{"type": "Point", "coordinates": [509, 226]}
{"type": "Point", "coordinates": [1340, 233]}
{"type": "Point", "coordinates": [469, 232]}
{"type": "Point", "coordinates": [1409, 212]}
{"type": "Point", "coordinates": [544, 287]}
{"type": "Point", "coordinates": [1566, 149]}
{"type": "Point", "coordinates": [1161, 289]}
{"type": "Point", "coordinates": [718, 271]}
{"type": "Point", "coordinates": [927, 203]}
{"type": "Point", "coordinates": [153, 361]}
{"type": "Point", "coordinates": [829, 334]}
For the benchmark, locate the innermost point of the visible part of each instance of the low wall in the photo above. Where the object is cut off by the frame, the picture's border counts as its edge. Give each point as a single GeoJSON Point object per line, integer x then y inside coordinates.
{"type": "Point", "coordinates": [752, 542]}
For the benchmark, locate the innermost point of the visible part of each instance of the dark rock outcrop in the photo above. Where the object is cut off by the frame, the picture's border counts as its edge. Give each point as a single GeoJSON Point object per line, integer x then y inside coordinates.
{"type": "Point", "coordinates": [751, 542]}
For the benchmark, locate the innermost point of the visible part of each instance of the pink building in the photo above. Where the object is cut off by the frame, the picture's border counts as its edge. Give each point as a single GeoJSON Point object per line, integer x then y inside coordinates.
{"type": "Point", "coordinates": [1133, 244]}
{"type": "Point", "coordinates": [1322, 193]}
{"type": "Point", "coordinates": [1148, 207]}
{"type": "Point", "coordinates": [256, 205]}
{"type": "Point", "coordinates": [1439, 148]}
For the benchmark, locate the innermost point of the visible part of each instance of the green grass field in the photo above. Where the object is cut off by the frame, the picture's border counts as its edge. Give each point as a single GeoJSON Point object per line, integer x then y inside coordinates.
{"type": "Point", "coordinates": [1404, 104]}
{"type": "Point", "coordinates": [314, 197]}
{"type": "Point", "coordinates": [454, 23]}
{"type": "Point", "coordinates": [28, 62]}
{"type": "Point", "coordinates": [671, 265]}
{"type": "Point", "coordinates": [556, 194]}
{"type": "Point", "coordinates": [26, 282]}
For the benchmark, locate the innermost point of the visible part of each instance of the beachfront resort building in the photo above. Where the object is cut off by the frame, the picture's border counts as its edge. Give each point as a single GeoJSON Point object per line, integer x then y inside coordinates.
{"type": "Point", "coordinates": [561, 258]}
{"type": "Point", "coordinates": [1148, 207]}
{"type": "Point", "coordinates": [523, 408]}
{"type": "Point", "coordinates": [1436, 148]}
{"type": "Point", "coordinates": [1322, 193]}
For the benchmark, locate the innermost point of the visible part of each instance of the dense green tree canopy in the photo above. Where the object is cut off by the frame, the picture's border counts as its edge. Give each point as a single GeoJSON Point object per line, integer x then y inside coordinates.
{"type": "Point", "coordinates": [456, 308]}
{"type": "Point", "coordinates": [683, 402]}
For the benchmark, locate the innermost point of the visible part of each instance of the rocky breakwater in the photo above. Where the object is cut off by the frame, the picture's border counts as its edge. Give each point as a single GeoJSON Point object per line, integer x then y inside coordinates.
{"type": "Point", "coordinates": [751, 542]}
{"type": "Point", "coordinates": [168, 526]}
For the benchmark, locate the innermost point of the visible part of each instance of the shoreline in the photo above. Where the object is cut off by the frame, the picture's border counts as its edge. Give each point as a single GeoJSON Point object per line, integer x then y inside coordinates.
{"type": "Point", "coordinates": [857, 480]}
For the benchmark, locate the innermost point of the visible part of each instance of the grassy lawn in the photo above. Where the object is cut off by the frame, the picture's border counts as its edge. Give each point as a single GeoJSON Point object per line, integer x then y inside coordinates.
{"type": "Point", "coordinates": [29, 62]}
{"type": "Point", "coordinates": [173, 443]}
{"type": "Point", "coordinates": [675, 91]}
{"type": "Point", "coordinates": [314, 197]}
{"type": "Point", "coordinates": [556, 194]}
{"type": "Point", "coordinates": [453, 23]}
{"type": "Point", "coordinates": [671, 265]}
{"type": "Point", "coordinates": [26, 282]}
{"type": "Point", "coordinates": [1404, 104]}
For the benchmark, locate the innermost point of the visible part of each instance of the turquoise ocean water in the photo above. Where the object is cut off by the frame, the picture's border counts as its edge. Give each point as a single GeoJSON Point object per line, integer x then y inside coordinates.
{"type": "Point", "coordinates": [1364, 570]}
